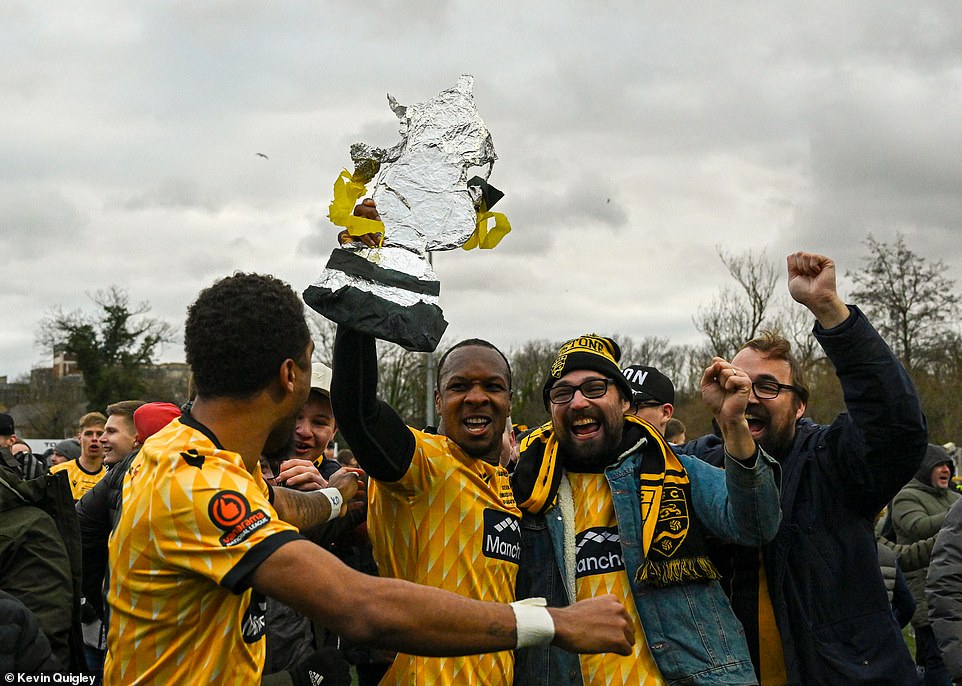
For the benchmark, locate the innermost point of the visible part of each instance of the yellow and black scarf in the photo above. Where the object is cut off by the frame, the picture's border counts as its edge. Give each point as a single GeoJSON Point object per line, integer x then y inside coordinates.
{"type": "Point", "coordinates": [672, 540]}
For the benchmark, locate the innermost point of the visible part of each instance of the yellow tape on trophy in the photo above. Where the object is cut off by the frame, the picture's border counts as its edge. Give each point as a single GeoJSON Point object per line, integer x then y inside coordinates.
{"type": "Point", "coordinates": [485, 237]}
{"type": "Point", "coordinates": [347, 192]}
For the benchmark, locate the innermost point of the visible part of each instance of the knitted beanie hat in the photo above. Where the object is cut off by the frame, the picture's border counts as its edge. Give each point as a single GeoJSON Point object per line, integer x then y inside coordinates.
{"type": "Point", "coordinates": [590, 351]}
{"type": "Point", "coordinates": [69, 448]}
{"type": "Point", "coordinates": [152, 417]}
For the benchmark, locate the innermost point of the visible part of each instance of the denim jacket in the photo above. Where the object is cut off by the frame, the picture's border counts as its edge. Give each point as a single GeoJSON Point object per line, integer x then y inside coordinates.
{"type": "Point", "coordinates": [691, 630]}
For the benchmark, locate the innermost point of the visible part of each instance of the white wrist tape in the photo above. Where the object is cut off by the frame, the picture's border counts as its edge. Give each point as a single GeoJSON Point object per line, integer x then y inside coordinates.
{"type": "Point", "coordinates": [533, 621]}
{"type": "Point", "coordinates": [336, 499]}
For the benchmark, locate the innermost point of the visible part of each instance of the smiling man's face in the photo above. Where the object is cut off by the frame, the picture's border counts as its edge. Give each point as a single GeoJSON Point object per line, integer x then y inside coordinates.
{"type": "Point", "coordinates": [474, 400]}
{"type": "Point", "coordinates": [118, 439]}
{"type": "Point", "coordinates": [314, 428]}
{"type": "Point", "coordinates": [772, 420]}
{"type": "Point", "coordinates": [589, 430]}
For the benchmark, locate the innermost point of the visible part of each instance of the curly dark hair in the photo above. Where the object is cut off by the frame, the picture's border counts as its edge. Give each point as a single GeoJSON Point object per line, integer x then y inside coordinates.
{"type": "Point", "coordinates": [240, 330]}
{"type": "Point", "coordinates": [471, 342]}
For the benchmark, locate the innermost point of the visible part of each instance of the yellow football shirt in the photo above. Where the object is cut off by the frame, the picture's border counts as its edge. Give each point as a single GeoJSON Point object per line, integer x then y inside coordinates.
{"type": "Point", "coordinates": [194, 526]}
{"type": "Point", "coordinates": [81, 480]}
{"type": "Point", "coordinates": [449, 522]}
{"type": "Point", "coordinates": [771, 657]}
{"type": "Point", "coordinates": [599, 569]}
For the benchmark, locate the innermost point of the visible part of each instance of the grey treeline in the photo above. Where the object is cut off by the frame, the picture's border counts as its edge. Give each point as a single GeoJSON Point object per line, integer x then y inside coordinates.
{"type": "Point", "coordinates": [909, 298]}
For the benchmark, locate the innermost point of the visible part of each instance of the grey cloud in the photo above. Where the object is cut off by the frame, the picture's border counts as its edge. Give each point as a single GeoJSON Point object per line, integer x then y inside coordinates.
{"type": "Point", "coordinates": [133, 128]}
{"type": "Point", "coordinates": [884, 159]}
{"type": "Point", "coordinates": [539, 214]}
{"type": "Point", "coordinates": [31, 218]}
{"type": "Point", "coordinates": [202, 266]}
{"type": "Point", "coordinates": [319, 242]}
{"type": "Point", "coordinates": [178, 193]}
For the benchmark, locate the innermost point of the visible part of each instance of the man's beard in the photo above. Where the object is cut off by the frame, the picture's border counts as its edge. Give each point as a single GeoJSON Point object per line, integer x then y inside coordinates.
{"type": "Point", "coordinates": [579, 456]}
{"type": "Point", "coordinates": [778, 442]}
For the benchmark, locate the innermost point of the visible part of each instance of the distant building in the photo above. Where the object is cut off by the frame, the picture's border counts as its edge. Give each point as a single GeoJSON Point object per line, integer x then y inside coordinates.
{"type": "Point", "coordinates": [50, 401]}
{"type": "Point", "coordinates": [64, 363]}
{"type": "Point", "coordinates": [13, 393]}
{"type": "Point", "coordinates": [167, 382]}
{"type": "Point", "coordinates": [44, 406]}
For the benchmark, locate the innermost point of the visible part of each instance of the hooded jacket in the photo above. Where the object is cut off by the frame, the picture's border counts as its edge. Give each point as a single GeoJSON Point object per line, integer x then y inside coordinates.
{"type": "Point", "coordinates": [40, 557]}
{"type": "Point", "coordinates": [917, 515]}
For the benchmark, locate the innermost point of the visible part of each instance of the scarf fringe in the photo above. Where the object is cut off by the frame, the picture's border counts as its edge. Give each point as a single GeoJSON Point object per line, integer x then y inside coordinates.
{"type": "Point", "coordinates": [670, 572]}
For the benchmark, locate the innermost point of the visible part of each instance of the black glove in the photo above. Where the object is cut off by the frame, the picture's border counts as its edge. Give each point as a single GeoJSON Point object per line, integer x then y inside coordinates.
{"type": "Point", "coordinates": [87, 612]}
{"type": "Point", "coordinates": [326, 666]}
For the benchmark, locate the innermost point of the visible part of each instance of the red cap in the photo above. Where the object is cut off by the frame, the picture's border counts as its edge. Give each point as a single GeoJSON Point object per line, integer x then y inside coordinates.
{"type": "Point", "coordinates": [152, 417]}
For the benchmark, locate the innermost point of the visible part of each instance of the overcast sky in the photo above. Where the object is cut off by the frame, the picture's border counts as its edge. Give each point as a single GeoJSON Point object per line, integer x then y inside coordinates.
{"type": "Point", "coordinates": [633, 140]}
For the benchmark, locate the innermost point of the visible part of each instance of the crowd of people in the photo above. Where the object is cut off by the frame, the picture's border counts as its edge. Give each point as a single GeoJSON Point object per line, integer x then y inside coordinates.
{"type": "Point", "coordinates": [223, 542]}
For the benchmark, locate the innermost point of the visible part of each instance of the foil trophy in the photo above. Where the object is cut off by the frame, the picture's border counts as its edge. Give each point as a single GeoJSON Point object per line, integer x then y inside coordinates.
{"type": "Point", "coordinates": [426, 203]}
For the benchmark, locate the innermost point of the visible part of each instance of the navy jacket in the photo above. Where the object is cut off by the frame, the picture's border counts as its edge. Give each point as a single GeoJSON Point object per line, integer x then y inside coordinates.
{"type": "Point", "coordinates": [822, 568]}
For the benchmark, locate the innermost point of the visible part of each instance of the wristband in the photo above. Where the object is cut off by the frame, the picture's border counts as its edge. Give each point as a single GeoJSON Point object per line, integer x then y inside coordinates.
{"type": "Point", "coordinates": [533, 621]}
{"type": "Point", "coordinates": [336, 499]}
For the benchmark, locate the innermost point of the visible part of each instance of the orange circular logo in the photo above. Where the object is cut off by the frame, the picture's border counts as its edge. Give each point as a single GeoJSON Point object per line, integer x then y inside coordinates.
{"type": "Point", "coordinates": [228, 509]}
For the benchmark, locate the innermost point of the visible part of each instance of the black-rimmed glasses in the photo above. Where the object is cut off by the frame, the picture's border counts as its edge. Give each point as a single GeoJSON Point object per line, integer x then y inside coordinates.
{"type": "Point", "coordinates": [767, 390]}
{"type": "Point", "coordinates": [592, 388]}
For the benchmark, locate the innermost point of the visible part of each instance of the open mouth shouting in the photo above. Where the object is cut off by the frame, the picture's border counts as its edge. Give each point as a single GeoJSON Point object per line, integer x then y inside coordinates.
{"type": "Point", "coordinates": [476, 425]}
{"type": "Point", "coordinates": [585, 428]}
{"type": "Point", "coordinates": [590, 437]}
{"type": "Point", "coordinates": [756, 425]}
{"type": "Point", "coordinates": [478, 435]}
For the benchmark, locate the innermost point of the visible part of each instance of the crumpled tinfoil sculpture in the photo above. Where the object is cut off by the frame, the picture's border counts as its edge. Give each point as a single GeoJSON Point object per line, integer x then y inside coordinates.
{"type": "Point", "coordinates": [426, 203]}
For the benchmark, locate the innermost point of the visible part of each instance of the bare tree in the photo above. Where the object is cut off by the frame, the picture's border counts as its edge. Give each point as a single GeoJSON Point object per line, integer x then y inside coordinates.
{"type": "Point", "coordinates": [724, 322]}
{"type": "Point", "coordinates": [402, 381]}
{"type": "Point", "coordinates": [655, 351]}
{"type": "Point", "coordinates": [737, 315]}
{"type": "Point", "coordinates": [652, 351]}
{"type": "Point", "coordinates": [529, 365]}
{"type": "Point", "coordinates": [939, 386]}
{"type": "Point", "coordinates": [401, 373]}
{"type": "Point", "coordinates": [322, 331]}
{"type": "Point", "coordinates": [795, 324]}
{"type": "Point", "coordinates": [910, 300]}
{"type": "Point", "coordinates": [757, 277]}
